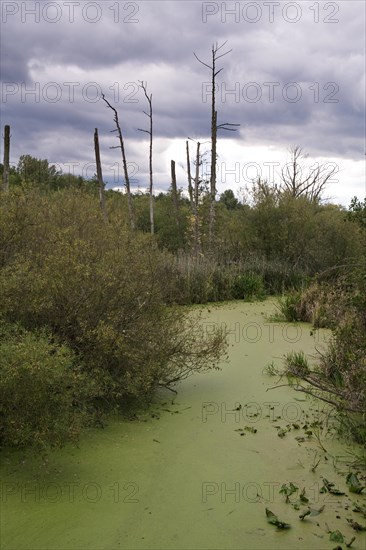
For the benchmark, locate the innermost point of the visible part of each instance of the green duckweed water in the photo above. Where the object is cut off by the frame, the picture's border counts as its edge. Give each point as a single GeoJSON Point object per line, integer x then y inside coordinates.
{"type": "Point", "coordinates": [182, 476]}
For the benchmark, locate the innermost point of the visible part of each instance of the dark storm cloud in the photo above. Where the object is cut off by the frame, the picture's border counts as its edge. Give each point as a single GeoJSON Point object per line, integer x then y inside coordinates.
{"type": "Point", "coordinates": [288, 80]}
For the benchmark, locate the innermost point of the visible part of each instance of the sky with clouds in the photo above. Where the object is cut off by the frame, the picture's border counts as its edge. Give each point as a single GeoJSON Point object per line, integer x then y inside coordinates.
{"type": "Point", "coordinates": [295, 75]}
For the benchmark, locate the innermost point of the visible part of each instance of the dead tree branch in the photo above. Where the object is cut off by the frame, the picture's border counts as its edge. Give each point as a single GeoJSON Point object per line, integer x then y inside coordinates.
{"type": "Point", "coordinates": [124, 162]}
{"type": "Point", "coordinates": [150, 133]}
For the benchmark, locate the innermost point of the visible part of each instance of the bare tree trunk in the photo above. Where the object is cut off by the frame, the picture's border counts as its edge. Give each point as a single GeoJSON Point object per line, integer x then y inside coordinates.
{"type": "Point", "coordinates": [190, 189]}
{"type": "Point", "coordinates": [213, 174]}
{"type": "Point", "coordinates": [174, 192]}
{"type": "Point", "coordinates": [214, 127]}
{"type": "Point", "coordinates": [197, 243]}
{"type": "Point", "coordinates": [124, 162]}
{"type": "Point", "coordinates": [150, 132]}
{"type": "Point", "coordinates": [151, 179]}
{"type": "Point", "coordinates": [99, 175]}
{"type": "Point", "coordinates": [6, 173]}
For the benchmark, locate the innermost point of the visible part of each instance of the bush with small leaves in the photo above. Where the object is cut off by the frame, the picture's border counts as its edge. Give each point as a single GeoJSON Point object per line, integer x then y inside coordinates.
{"type": "Point", "coordinates": [41, 390]}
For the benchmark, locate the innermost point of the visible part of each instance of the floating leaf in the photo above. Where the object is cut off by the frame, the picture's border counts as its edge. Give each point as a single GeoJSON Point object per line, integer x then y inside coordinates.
{"type": "Point", "coordinates": [356, 526]}
{"type": "Point", "coordinates": [288, 490]}
{"type": "Point", "coordinates": [300, 439]}
{"type": "Point", "coordinates": [329, 487]}
{"type": "Point", "coordinates": [336, 492]}
{"type": "Point", "coordinates": [250, 429]}
{"type": "Point", "coordinates": [336, 536]}
{"type": "Point", "coordinates": [354, 484]}
{"type": "Point", "coordinates": [316, 512]}
{"type": "Point", "coordinates": [358, 508]}
{"type": "Point", "coordinates": [303, 498]}
{"type": "Point", "coordinates": [273, 520]}
{"type": "Point", "coordinates": [306, 512]}
{"type": "Point", "coordinates": [281, 433]}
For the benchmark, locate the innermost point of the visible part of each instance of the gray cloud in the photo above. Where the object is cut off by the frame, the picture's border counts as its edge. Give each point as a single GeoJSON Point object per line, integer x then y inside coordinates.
{"type": "Point", "coordinates": [274, 59]}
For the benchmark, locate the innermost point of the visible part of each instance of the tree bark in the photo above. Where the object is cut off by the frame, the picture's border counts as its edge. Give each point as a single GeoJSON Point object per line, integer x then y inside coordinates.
{"type": "Point", "coordinates": [213, 173]}
{"type": "Point", "coordinates": [214, 127]}
{"type": "Point", "coordinates": [124, 162]}
{"type": "Point", "coordinates": [174, 192]}
{"type": "Point", "coordinates": [6, 173]}
{"type": "Point", "coordinates": [150, 132]}
{"type": "Point", "coordinates": [197, 243]}
{"type": "Point", "coordinates": [99, 175]}
{"type": "Point", "coordinates": [190, 188]}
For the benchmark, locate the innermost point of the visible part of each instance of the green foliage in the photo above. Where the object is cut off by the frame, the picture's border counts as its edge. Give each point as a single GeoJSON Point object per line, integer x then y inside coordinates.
{"type": "Point", "coordinates": [354, 484]}
{"type": "Point", "coordinates": [108, 295]}
{"type": "Point", "coordinates": [248, 286]}
{"type": "Point", "coordinates": [340, 376]}
{"type": "Point", "coordinates": [297, 364]}
{"type": "Point", "coordinates": [40, 390]}
{"type": "Point", "coordinates": [99, 291]}
{"type": "Point", "coordinates": [336, 536]}
{"type": "Point", "coordinates": [14, 176]}
{"type": "Point", "coordinates": [271, 369]}
{"type": "Point", "coordinates": [38, 171]}
{"type": "Point", "coordinates": [357, 212]}
{"type": "Point", "coordinates": [45, 177]}
{"type": "Point", "coordinates": [273, 520]}
{"type": "Point", "coordinates": [202, 280]}
{"type": "Point", "coordinates": [288, 489]}
{"type": "Point", "coordinates": [171, 233]}
{"type": "Point", "coordinates": [229, 200]}
{"type": "Point", "coordinates": [289, 306]}
{"type": "Point", "coordinates": [286, 239]}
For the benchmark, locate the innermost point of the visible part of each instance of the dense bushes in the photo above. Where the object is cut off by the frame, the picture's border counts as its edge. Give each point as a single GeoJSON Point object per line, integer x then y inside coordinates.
{"type": "Point", "coordinates": [340, 375]}
{"type": "Point", "coordinates": [99, 291]}
{"type": "Point", "coordinates": [337, 299]}
{"type": "Point", "coordinates": [287, 233]}
{"type": "Point", "coordinates": [200, 280]}
{"type": "Point", "coordinates": [41, 390]}
{"type": "Point", "coordinates": [101, 300]}
{"type": "Point", "coordinates": [248, 285]}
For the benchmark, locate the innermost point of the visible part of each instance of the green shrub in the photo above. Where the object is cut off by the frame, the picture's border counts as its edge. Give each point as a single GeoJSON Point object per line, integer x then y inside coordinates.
{"type": "Point", "coordinates": [297, 364]}
{"type": "Point", "coordinates": [41, 391]}
{"type": "Point", "coordinates": [100, 290]}
{"type": "Point", "coordinates": [247, 286]}
{"type": "Point", "coordinates": [289, 306]}
{"type": "Point", "coordinates": [339, 378]}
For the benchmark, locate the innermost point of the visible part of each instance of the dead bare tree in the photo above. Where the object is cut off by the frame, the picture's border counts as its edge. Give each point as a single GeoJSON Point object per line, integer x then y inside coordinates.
{"type": "Point", "coordinates": [99, 175]}
{"type": "Point", "coordinates": [174, 192]}
{"type": "Point", "coordinates": [299, 180]}
{"type": "Point", "coordinates": [6, 172]}
{"type": "Point", "coordinates": [214, 128]}
{"type": "Point", "coordinates": [150, 132]}
{"type": "Point", "coordinates": [194, 194]}
{"type": "Point", "coordinates": [190, 188]}
{"type": "Point", "coordinates": [124, 162]}
{"type": "Point", "coordinates": [197, 241]}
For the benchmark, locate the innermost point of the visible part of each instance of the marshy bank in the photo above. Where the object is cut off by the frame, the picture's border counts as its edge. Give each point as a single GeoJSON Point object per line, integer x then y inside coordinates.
{"type": "Point", "coordinates": [200, 469]}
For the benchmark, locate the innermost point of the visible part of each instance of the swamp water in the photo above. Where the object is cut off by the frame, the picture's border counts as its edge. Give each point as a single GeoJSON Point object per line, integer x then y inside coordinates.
{"type": "Point", "coordinates": [192, 472]}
